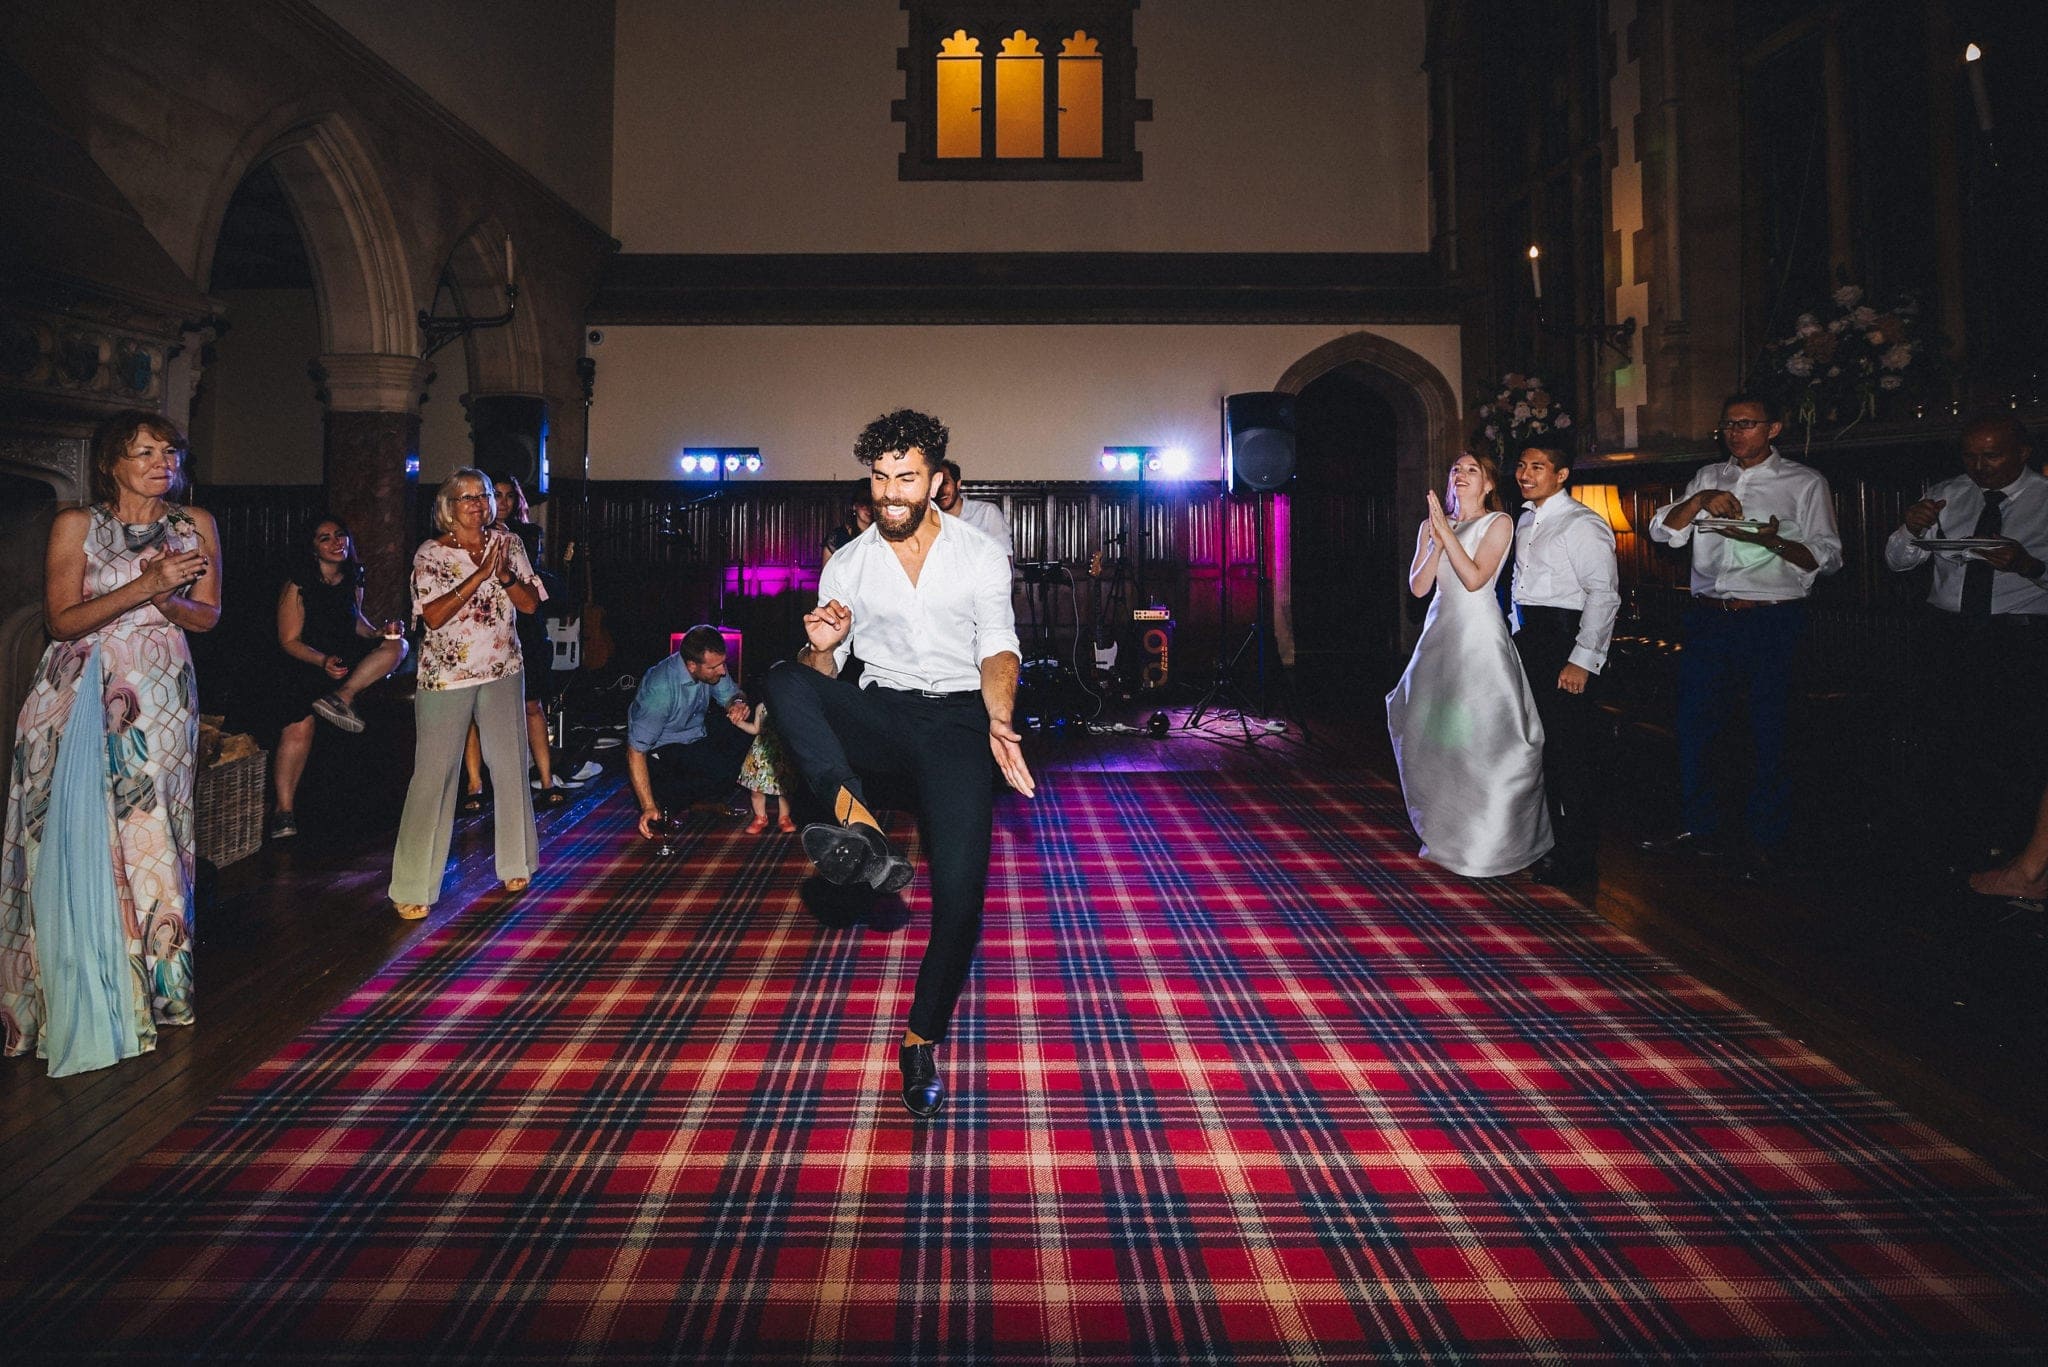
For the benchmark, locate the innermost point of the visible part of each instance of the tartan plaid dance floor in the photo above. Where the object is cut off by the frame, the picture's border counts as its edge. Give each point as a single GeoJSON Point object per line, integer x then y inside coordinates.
{"type": "Point", "coordinates": [1237, 1080]}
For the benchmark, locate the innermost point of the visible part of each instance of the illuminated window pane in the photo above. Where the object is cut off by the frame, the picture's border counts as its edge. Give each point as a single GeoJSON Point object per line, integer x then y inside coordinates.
{"type": "Point", "coordinates": [959, 77]}
{"type": "Point", "coordinates": [1080, 97]}
{"type": "Point", "coordinates": [1020, 98]}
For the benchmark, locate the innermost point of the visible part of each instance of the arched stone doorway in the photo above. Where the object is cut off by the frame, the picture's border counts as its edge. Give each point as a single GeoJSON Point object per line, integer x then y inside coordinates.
{"type": "Point", "coordinates": [1380, 426]}
{"type": "Point", "coordinates": [368, 371]}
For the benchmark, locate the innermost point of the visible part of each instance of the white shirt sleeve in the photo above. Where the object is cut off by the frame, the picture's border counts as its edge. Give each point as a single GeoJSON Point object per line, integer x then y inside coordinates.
{"type": "Point", "coordinates": [1816, 505]}
{"type": "Point", "coordinates": [1591, 551]}
{"type": "Point", "coordinates": [1678, 536]}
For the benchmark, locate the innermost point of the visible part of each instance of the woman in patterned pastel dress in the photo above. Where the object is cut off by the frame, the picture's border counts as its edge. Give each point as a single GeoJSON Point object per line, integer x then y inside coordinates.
{"type": "Point", "coordinates": [468, 586]}
{"type": "Point", "coordinates": [96, 867]}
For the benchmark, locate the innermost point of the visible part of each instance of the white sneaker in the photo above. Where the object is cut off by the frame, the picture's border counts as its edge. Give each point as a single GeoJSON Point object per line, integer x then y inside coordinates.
{"type": "Point", "coordinates": [606, 743]}
{"type": "Point", "coordinates": [590, 770]}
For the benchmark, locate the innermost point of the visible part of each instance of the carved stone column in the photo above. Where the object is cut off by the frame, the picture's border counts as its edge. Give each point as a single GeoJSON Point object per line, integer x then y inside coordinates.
{"type": "Point", "coordinates": [372, 460]}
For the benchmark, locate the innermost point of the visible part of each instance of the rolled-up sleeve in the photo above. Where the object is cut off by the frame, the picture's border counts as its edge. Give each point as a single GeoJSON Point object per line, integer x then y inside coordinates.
{"type": "Point", "coordinates": [995, 617]}
{"type": "Point", "coordinates": [1675, 536]}
{"type": "Point", "coordinates": [1903, 551]}
{"type": "Point", "coordinates": [1819, 533]}
{"type": "Point", "coordinates": [522, 569]}
{"type": "Point", "coordinates": [652, 703]}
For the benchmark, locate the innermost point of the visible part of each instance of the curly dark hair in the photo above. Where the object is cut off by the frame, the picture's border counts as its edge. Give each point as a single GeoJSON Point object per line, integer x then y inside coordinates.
{"type": "Point", "coordinates": [904, 430]}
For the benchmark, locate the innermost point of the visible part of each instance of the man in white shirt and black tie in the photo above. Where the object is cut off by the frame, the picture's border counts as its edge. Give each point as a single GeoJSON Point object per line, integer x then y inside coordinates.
{"type": "Point", "coordinates": [1989, 611]}
{"type": "Point", "coordinates": [1762, 531]}
{"type": "Point", "coordinates": [924, 601]}
{"type": "Point", "coordinates": [1567, 594]}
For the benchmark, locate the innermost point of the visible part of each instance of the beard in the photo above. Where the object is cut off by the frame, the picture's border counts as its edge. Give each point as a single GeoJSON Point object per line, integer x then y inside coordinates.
{"type": "Point", "coordinates": [910, 524]}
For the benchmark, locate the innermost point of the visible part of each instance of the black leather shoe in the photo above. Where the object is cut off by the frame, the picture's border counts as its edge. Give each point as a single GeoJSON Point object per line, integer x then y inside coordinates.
{"type": "Point", "coordinates": [1685, 842]}
{"type": "Point", "coordinates": [845, 854]}
{"type": "Point", "coordinates": [923, 1090]}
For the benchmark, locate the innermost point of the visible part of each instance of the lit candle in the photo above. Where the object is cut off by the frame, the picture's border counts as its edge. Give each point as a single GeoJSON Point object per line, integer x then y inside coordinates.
{"type": "Point", "coordinates": [1536, 269]}
{"type": "Point", "coordinates": [1973, 57]}
{"type": "Point", "coordinates": [508, 258]}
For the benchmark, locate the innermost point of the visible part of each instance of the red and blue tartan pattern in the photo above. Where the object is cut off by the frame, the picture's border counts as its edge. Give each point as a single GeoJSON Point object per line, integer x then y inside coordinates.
{"type": "Point", "coordinates": [1238, 1079]}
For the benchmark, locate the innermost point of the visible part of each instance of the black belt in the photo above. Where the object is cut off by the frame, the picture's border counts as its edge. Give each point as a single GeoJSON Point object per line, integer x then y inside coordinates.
{"type": "Point", "coordinates": [927, 694]}
{"type": "Point", "coordinates": [1743, 604]}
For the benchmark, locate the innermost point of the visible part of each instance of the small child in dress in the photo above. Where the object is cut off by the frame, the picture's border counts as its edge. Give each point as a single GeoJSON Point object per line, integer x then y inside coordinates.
{"type": "Point", "coordinates": [761, 773]}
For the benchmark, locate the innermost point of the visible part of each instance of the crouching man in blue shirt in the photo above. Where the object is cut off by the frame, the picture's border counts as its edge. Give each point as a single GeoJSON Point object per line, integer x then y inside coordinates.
{"type": "Point", "coordinates": [680, 748]}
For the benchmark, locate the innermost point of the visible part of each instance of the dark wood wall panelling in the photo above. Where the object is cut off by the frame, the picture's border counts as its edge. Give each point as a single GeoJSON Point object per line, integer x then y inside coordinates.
{"type": "Point", "coordinates": [655, 548]}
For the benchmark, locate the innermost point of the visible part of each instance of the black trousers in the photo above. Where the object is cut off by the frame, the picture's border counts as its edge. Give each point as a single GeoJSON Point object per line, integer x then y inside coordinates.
{"type": "Point", "coordinates": [1571, 733]}
{"type": "Point", "coordinates": [1983, 703]}
{"type": "Point", "coordinates": [701, 769]}
{"type": "Point", "coordinates": [838, 731]}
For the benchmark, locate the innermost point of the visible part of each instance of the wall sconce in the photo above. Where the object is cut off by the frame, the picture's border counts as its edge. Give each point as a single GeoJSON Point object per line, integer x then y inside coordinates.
{"type": "Point", "coordinates": [1620, 337]}
{"type": "Point", "coordinates": [1604, 499]}
{"type": "Point", "coordinates": [440, 329]}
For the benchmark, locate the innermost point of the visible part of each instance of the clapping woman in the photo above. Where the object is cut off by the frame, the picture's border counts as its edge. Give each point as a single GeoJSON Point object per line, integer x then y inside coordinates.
{"type": "Point", "coordinates": [468, 586]}
{"type": "Point", "coordinates": [1467, 739]}
{"type": "Point", "coordinates": [96, 869]}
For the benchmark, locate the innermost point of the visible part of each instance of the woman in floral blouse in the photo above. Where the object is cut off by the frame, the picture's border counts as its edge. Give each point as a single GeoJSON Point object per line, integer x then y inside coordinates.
{"type": "Point", "coordinates": [468, 586]}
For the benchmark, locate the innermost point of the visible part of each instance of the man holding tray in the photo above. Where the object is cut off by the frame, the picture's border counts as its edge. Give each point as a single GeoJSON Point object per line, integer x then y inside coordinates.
{"type": "Point", "coordinates": [1762, 530]}
{"type": "Point", "coordinates": [1986, 530]}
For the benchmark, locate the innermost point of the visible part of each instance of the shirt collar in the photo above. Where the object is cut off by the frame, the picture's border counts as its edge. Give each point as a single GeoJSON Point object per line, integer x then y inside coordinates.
{"type": "Point", "coordinates": [2018, 480]}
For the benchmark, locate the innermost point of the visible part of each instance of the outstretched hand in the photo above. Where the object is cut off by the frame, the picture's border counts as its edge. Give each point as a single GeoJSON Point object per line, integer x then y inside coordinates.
{"type": "Point", "coordinates": [1007, 746]}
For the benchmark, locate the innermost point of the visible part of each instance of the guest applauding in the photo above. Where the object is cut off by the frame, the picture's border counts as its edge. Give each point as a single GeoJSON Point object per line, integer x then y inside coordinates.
{"type": "Point", "coordinates": [468, 585]}
{"type": "Point", "coordinates": [1762, 530]}
{"type": "Point", "coordinates": [96, 870]}
{"type": "Point", "coordinates": [331, 654]}
{"type": "Point", "coordinates": [1467, 737]}
{"type": "Point", "coordinates": [1988, 613]}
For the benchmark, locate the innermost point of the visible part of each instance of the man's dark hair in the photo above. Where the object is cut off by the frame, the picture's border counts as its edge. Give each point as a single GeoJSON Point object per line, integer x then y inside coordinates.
{"type": "Point", "coordinates": [1773, 410]}
{"type": "Point", "coordinates": [904, 430]}
{"type": "Point", "coordinates": [1558, 449]}
{"type": "Point", "coordinates": [700, 641]}
{"type": "Point", "coordinates": [952, 469]}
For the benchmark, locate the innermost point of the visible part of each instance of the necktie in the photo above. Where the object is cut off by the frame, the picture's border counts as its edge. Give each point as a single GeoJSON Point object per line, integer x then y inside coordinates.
{"type": "Point", "coordinates": [1977, 574]}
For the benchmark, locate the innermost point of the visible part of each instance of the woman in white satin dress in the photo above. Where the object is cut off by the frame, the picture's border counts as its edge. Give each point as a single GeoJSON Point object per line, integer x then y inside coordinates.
{"type": "Point", "coordinates": [1466, 736]}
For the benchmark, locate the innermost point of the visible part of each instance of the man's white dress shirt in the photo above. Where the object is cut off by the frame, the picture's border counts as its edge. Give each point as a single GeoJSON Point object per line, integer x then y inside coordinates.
{"type": "Point", "coordinates": [986, 518]}
{"type": "Point", "coordinates": [1797, 495]}
{"type": "Point", "coordinates": [1564, 558]}
{"type": "Point", "coordinates": [2023, 517]}
{"type": "Point", "coordinates": [931, 636]}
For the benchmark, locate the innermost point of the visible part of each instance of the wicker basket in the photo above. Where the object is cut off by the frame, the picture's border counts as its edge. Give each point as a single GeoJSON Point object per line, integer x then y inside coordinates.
{"type": "Point", "coordinates": [228, 807]}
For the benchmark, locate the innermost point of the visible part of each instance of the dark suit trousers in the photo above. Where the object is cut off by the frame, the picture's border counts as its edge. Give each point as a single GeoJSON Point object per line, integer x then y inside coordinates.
{"type": "Point", "coordinates": [1746, 655]}
{"type": "Point", "coordinates": [838, 731]}
{"type": "Point", "coordinates": [1571, 732]}
{"type": "Point", "coordinates": [698, 770]}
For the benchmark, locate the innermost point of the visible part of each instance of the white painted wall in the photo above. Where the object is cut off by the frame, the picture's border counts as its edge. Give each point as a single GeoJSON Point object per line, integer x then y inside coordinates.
{"type": "Point", "coordinates": [1022, 402]}
{"type": "Point", "coordinates": [1285, 125]}
{"type": "Point", "coordinates": [534, 77]}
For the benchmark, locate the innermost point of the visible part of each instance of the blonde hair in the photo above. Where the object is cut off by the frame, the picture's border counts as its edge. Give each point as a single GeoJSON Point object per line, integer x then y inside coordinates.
{"type": "Point", "coordinates": [1490, 469]}
{"type": "Point", "coordinates": [445, 496]}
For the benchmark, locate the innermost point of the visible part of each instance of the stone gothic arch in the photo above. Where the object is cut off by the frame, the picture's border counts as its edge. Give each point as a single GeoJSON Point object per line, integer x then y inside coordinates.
{"type": "Point", "coordinates": [361, 277]}
{"type": "Point", "coordinates": [503, 360]}
{"type": "Point", "coordinates": [1427, 435]}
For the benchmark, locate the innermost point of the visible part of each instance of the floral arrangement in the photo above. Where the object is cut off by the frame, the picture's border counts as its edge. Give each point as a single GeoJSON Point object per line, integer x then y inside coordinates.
{"type": "Point", "coordinates": [1522, 412]}
{"type": "Point", "coordinates": [1840, 360]}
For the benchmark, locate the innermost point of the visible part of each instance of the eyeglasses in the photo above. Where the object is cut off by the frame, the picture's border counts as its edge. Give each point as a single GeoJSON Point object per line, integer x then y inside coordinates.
{"type": "Point", "coordinates": [472, 498]}
{"type": "Point", "coordinates": [1743, 424]}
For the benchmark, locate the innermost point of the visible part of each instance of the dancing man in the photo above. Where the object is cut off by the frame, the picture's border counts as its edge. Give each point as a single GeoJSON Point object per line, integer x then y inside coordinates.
{"type": "Point", "coordinates": [924, 602]}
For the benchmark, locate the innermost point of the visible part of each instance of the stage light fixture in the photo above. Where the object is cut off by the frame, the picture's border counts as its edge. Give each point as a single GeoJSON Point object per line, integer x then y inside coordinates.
{"type": "Point", "coordinates": [1173, 462]}
{"type": "Point", "coordinates": [721, 462]}
{"type": "Point", "coordinates": [1108, 462]}
{"type": "Point", "coordinates": [754, 464]}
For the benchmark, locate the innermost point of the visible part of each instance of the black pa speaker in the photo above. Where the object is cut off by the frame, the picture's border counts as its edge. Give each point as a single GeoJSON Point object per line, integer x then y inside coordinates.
{"type": "Point", "coordinates": [510, 436]}
{"type": "Point", "coordinates": [1153, 629]}
{"type": "Point", "coordinates": [1258, 442]}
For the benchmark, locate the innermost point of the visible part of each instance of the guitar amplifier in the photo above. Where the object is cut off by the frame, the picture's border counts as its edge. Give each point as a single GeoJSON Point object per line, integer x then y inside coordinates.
{"type": "Point", "coordinates": [1152, 647]}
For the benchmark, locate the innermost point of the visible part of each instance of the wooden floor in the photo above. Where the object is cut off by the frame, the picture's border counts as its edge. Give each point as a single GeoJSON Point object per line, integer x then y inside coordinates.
{"type": "Point", "coordinates": [1930, 996]}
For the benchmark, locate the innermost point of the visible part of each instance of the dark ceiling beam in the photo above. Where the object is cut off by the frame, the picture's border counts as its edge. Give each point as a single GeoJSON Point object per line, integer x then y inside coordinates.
{"type": "Point", "coordinates": [1024, 287]}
